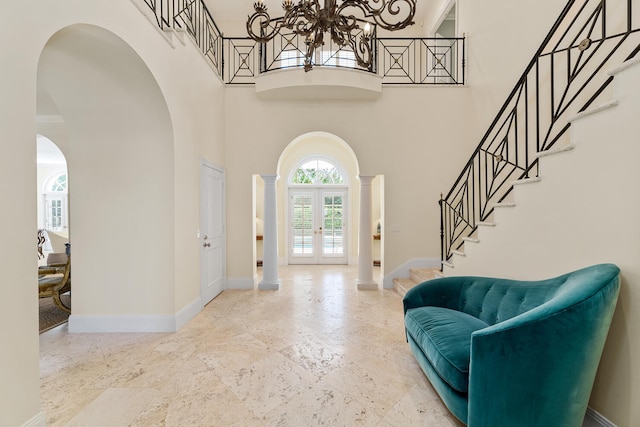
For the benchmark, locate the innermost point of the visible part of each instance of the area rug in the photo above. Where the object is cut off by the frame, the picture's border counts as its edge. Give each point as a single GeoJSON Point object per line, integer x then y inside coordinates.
{"type": "Point", "coordinates": [50, 315]}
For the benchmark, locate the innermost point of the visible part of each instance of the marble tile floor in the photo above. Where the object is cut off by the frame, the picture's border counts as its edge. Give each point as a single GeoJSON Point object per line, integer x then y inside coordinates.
{"type": "Point", "coordinates": [315, 352]}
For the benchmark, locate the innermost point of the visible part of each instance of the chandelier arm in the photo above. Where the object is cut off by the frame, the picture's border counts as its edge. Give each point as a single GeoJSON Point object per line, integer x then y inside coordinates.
{"type": "Point", "coordinates": [300, 20]}
{"type": "Point", "coordinates": [362, 51]}
{"type": "Point", "coordinates": [391, 8]}
{"type": "Point", "coordinates": [262, 19]}
{"type": "Point", "coordinates": [346, 24]}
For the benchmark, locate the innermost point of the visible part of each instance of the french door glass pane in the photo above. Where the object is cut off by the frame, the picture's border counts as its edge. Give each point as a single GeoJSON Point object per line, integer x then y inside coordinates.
{"type": "Point", "coordinates": [302, 224]}
{"type": "Point", "coordinates": [332, 231]}
{"type": "Point", "coordinates": [55, 214]}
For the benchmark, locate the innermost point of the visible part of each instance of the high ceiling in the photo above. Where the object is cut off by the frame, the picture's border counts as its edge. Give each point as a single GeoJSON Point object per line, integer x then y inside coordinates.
{"type": "Point", "coordinates": [233, 9]}
{"type": "Point", "coordinates": [238, 10]}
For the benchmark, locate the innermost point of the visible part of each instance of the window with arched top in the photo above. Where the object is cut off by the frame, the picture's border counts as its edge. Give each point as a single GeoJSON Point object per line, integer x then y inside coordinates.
{"type": "Point", "coordinates": [58, 184]}
{"type": "Point", "coordinates": [317, 172]}
{"type": "Point", "coordinates": [55, 202]}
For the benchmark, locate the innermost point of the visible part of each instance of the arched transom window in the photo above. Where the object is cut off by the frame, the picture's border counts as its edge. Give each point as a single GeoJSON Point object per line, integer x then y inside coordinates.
{"type": "Point", "coordinates": [317, 172]}
{"type": "Point", "coordinates": [58, 184]}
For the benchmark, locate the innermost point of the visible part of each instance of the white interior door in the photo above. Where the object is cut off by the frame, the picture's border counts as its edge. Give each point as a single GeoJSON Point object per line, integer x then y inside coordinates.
{"type": "Point", "coordinates": [318, 226]}
{"type": "Point", "coordinates": [212, 240]}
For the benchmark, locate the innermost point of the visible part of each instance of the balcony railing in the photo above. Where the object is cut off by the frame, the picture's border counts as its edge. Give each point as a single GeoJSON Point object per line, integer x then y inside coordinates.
{"type": "Point", "coordinates": [433, 61]}
{"type": "Point", "coordinates": [566, 75]}
{"type": "Point", "coordinates": [423, 61]}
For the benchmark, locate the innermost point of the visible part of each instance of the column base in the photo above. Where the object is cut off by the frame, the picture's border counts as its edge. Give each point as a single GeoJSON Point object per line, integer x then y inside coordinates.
{"type": "Point", "coordinates": [269, 286]}
{"type": "Point", "coordinates": [367, 286]}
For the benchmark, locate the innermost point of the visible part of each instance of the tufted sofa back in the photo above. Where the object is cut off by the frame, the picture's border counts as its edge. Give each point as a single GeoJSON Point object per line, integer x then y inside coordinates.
{"type": "Point", "coordinates": [496, 300]}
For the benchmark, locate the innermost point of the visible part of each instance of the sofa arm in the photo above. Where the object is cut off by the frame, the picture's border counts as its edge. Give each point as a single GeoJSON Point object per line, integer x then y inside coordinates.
{"type": "Point", "coordinates": [537, 369]}
{"type": "Point", "coordinates": [444, 292]}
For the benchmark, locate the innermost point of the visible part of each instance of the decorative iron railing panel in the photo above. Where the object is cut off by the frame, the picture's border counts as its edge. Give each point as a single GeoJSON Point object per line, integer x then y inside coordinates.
{"type": "Point", "coordinates": [437, 61]}
{"type": "Point", "coordinates": [565, 76]}
{"type": "Point", "coordinates": [287, 50]}
{"type": "Point", "coordinates": [193, 17]}
{"type": "Point", "coordinates": [242, 60]}
{"type": "Point", "coordinates": [429, 61]}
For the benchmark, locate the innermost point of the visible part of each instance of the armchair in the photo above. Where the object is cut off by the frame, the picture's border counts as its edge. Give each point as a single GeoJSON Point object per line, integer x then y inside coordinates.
{"type": "Point", "coordinates": [54, 281]}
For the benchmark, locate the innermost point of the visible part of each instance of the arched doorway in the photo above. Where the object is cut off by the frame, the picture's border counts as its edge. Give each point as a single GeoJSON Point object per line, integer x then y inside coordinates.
{"type": "Point", "coordinates": [317, 209]}
{"type": "Point", "coordinates": [100, 102]}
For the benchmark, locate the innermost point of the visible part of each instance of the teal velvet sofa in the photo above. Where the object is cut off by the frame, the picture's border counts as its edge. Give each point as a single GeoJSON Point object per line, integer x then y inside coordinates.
{"type": "Point", "coordinates": [513, 353]}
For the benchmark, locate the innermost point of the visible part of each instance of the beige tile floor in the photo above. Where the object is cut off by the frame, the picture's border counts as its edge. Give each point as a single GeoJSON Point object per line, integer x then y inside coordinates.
{"type": "Point", "coordinates": [315, 352]}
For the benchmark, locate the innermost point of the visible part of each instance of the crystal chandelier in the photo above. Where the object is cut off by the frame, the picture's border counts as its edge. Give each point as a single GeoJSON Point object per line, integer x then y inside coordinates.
{"type": "Point", "coordinates": [310, 20]}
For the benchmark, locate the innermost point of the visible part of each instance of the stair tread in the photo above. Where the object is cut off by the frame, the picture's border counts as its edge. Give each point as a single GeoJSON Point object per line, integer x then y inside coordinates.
{"type": "Point", "coordinates": [402, 285]}
{"type": "Point", "coordinates": [557, 150]}
{"type": "Point", "coordinates": [423, 274]}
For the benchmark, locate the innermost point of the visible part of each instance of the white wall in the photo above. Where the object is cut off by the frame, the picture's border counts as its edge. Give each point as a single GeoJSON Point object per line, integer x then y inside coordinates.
{"type": "Point", "coordinates": [407, 135]}
{"type": "Point", "coordinates": [194, 121]}
{"type": "Point", "coordinates": [583, 212]}
{"type": "Point", "coordinates": [399, 136]}
{"type": "Point", "coordinates": [502, 37]}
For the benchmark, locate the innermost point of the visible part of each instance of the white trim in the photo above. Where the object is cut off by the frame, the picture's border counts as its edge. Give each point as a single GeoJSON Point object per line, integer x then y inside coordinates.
{"type": "Point", "coordinates": [38, 421]}
{"type": "Point", "coordinates": [404, 269]}
{"type": "Point", "coordinates": [442, 15]}
{"type": "Point", "coordinates": [367, 286]}
{"type": "Point", "coordinates": [51, 118]}
{"type": "Point", "coordinates": [625, 65]}
{"type": "Point", "coordinates": [188, 312]}
{"type": "Point", "coordinates": [594, 418]}
{"type": "Point", "coordinates": [593, 110]}
{"type": "Point", "coordinates": [241, 283]}
{"type": "Point", "coordinates": [269, 286]}
{"type": "Point", "coordinates": [122, 323]}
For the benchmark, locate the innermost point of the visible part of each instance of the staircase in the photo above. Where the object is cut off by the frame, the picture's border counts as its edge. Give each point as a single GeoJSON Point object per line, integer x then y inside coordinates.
{"type": "Point", "coordinates": [582, 209]}
{"type": "Point", "coordinates": [566, 76]}
{"type": "Point", "coordinates": [417, 275]}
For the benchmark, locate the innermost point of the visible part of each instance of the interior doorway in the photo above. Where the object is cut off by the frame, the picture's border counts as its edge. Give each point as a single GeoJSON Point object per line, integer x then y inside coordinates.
{"type": "Point", "coordinates": [212, 233]}
{"type": "Point", "coordinates": [318, 226]}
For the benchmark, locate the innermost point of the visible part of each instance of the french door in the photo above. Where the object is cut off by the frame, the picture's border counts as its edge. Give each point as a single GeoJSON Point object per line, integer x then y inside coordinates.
{"type": "Point", "coordinates": [318, 226]}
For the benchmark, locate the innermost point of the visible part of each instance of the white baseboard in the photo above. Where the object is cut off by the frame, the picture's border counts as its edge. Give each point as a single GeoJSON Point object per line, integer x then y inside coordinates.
{"type": "Point", "coordinates": [38, 421]}
{"type": "Point", "coordinates": [122, 323]}
{"type": "Point", "coordinates": [594, 419]}
{"type": "Point", "coordinates": [242, 283]}
{"type": "Point", "coordinates": [403, 270]}
{"type": "Point", "coordinates": [135, 322]}
{"type": "Point", "coordinates": [188, 312]}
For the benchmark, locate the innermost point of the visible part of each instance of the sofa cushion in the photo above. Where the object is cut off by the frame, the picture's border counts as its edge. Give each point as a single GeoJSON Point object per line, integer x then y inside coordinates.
{"type": "Point", "coordinates": [445, 338]}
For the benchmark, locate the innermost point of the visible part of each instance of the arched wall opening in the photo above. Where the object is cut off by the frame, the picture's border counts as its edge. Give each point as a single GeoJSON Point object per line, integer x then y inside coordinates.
{"type": "Point", "coordinates": [97, 91]}
{"type": "Point", "coordinates": [306, 146]}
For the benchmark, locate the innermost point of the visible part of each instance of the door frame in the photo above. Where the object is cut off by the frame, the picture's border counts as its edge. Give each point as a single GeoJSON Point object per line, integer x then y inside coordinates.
{"type": "Point", "coordinates": [317, 191]}
{"type": "Point", "coordinates": [203, 272]}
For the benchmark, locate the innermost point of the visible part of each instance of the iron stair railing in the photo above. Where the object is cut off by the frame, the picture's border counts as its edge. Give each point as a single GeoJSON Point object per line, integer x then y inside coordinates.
{"type": "Point", "coordinates": [566, 75]}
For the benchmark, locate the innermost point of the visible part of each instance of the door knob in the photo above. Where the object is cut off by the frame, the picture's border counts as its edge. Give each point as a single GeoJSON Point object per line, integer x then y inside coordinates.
{"type": "Point", "coordinates": [207, 245]}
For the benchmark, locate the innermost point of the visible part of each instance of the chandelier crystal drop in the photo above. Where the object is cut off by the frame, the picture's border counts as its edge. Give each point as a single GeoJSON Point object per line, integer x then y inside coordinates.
{"type": "Point", "coordinates": [340, 19]}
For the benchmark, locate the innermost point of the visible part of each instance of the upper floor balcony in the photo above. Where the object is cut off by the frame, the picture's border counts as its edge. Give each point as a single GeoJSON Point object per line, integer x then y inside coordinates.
{"type": "Point", "coordinates": [243, 61]}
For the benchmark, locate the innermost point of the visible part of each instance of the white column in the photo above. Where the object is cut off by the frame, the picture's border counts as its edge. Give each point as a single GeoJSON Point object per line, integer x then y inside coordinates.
{"type": "Point", "coordinates": [270, 279]}
{"type": "Point", "coordinates": [365, 238]}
